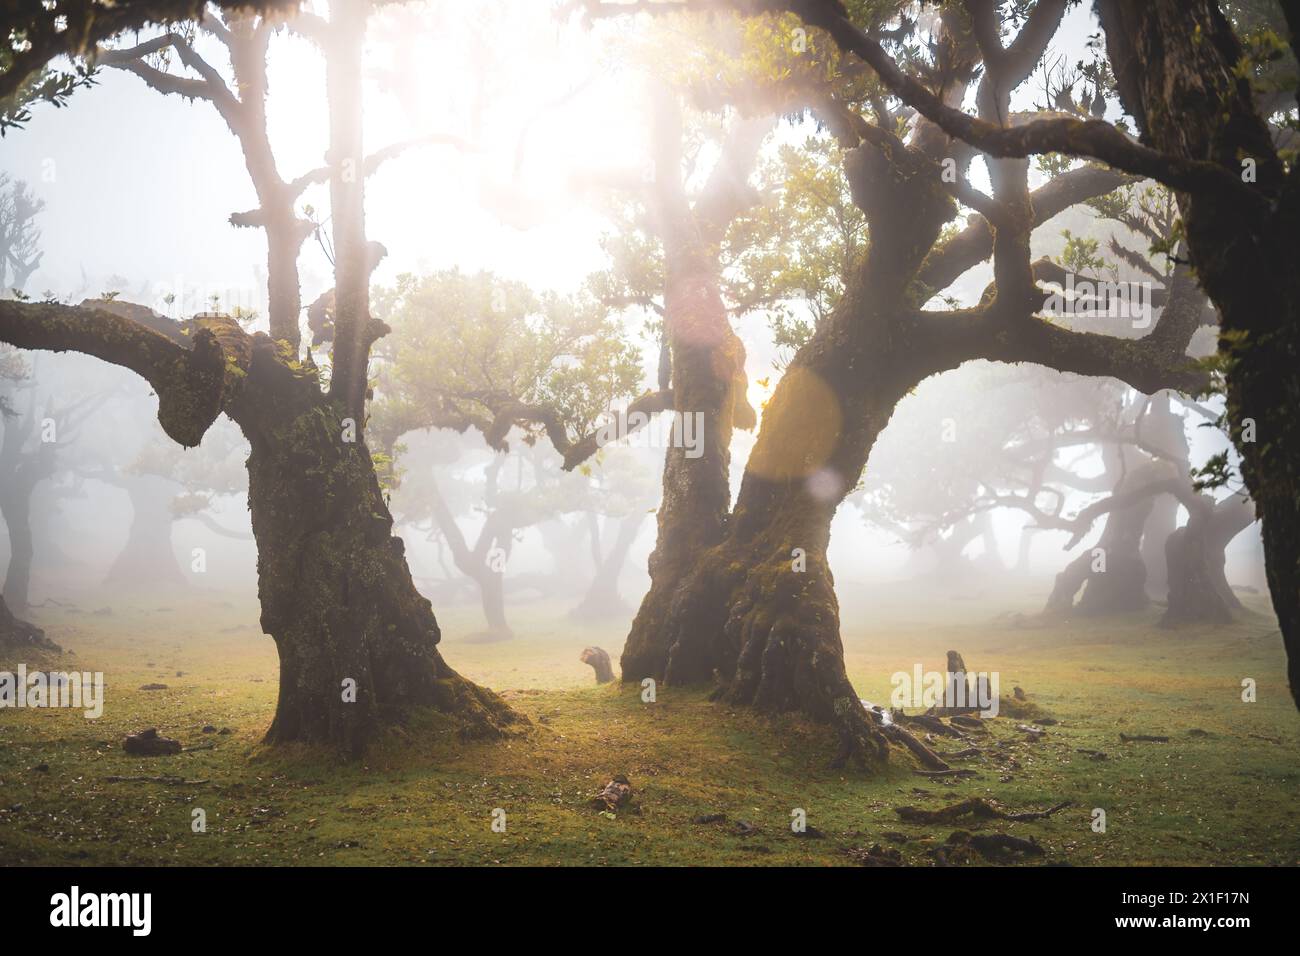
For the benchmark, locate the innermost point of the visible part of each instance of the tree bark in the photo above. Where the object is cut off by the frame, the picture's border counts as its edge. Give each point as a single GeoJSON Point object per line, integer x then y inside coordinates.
{"type": "Point", "coordinates": [744, 614]}
{"type": "Point", "coordinates": [708, 378]}
{"type": "Point", "coordinates": [336, 593]}
{"type": "Point", "coordinates": [474, 563]}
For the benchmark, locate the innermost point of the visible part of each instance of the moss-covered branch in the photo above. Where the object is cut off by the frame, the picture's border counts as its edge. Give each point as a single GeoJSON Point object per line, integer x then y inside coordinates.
{"type": "Point", "coordinates": [189, 381]}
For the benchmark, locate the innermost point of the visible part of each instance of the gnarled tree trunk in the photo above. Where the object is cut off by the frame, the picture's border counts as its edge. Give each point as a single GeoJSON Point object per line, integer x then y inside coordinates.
{"type": "Point", "coordinates": [336, 594]}
{"type": "Point", "coordinates": [708, 383]}
{"type": "Point", "coordinates": [1177, 63]}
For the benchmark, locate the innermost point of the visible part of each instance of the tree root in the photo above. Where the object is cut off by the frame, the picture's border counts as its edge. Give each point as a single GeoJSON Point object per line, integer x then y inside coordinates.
{"type": "Point", "coordinates": [860, 740]}
{"type": "Point", "coordinates": [932, 724]}
{"type": "Point", "coordinates": [974, 807]}
{"type": "Point", "coordinates": [924, 754]}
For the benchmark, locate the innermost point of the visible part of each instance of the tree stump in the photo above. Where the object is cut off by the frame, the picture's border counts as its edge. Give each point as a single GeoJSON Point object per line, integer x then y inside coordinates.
{"type": "Point", "coordinates": [599, 661]}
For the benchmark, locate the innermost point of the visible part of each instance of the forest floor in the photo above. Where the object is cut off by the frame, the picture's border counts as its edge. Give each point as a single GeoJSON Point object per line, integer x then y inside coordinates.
{"type": "Point", "coordinates": [1221, 791]}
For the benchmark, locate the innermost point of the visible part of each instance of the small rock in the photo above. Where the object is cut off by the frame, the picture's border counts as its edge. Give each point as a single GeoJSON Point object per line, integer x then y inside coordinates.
{"type": "Point", "coordinates": [42, 768]}
{"type": "Point", "coordinates": [710, 818]}
{"type": "Point", "coordinates": [616, 793]}
{"type": "Point", "coordinates": [154, 687]}
{"type": "Point", "coordinates": [209, 729]}
{"type": "Point", "coordinates": [147, 743]}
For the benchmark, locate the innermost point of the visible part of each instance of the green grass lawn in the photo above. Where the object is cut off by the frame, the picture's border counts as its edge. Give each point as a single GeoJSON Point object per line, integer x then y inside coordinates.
{"type": "Point", "coordinates": [1222, 791]}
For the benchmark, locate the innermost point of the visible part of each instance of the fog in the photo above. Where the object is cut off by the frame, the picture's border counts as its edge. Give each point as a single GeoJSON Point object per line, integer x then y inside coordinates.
{"type": "Point", "coordinates": [138, 189]}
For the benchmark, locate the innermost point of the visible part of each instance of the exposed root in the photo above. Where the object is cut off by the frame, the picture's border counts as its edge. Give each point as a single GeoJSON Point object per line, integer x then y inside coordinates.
{"type": "Point", "coordinates": [924, 754]}
{"type": "Point", "coordinates": [974, 807]}
{"type": "Point", "coordinates": [861, 741]}
{"type": "Point", "coordinates": [930, 723]}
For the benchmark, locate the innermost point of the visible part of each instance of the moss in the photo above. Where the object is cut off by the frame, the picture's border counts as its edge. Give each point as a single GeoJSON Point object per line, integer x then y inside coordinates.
{"type": "Point", "coordinates": [424, 795]}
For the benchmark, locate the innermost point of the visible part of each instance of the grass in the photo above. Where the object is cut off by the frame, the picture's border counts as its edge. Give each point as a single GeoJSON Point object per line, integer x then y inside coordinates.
{"type": "Point", "coordinates": [1221, 792]}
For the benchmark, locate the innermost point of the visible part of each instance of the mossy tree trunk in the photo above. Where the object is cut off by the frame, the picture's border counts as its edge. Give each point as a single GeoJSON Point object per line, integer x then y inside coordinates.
{"type": "Point", "coordinates": [757, 613]}
{"type": "Point", "coordinates": [15, 508]}
{"type": "Point", "coordinates": [743, 614]}
{"type": "Point", "coordinates": [336, 593]}
{"type": "Point", "coordinates": [1177, 67]}
{"type": "Point", "coordinates": [708, 373]}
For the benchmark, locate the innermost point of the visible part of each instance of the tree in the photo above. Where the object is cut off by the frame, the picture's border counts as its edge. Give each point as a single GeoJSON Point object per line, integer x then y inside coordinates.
{"type": "Point", "coordinates": [36, 33]}
{"type": "Point", "coordinates": [20, 237]}
{"type": "Point", "coordinates": [246, 36]}
{"type": "Point", "coordinates": [757, 612]}
{"type": "Point", "coordinates": [479, 352]}
{"type": "Point", "coordinates": [1200, 98]}
{"type": "Point", "coordinates": [13, 631]}
{"type": "Point", "coordinates": [166, 484]}
{"type": "Point", "coordinates": [37, 427]}
{"type": "Point", "coordinates": [357, 642]}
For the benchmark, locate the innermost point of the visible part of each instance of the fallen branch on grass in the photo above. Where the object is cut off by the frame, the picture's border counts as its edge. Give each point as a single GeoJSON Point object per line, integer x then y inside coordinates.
{"type": "Point", "coordinates": [1143, 738]}
{"type": "Point", "coordinates": [974, 807]}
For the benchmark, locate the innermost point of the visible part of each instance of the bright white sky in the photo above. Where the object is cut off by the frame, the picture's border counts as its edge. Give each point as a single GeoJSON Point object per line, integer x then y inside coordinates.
{"type": "Point", "coordinates": [174, 172]}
